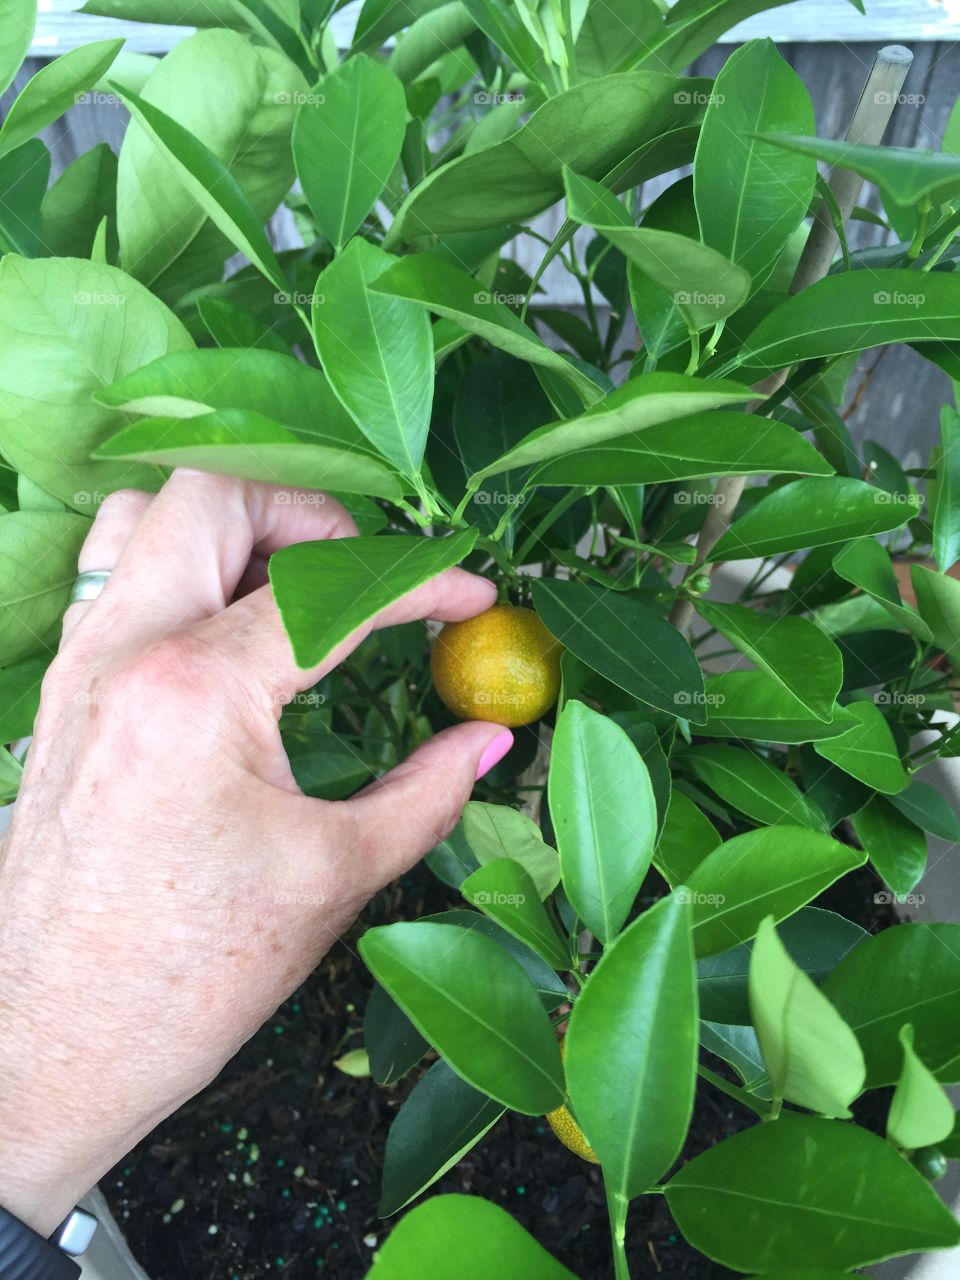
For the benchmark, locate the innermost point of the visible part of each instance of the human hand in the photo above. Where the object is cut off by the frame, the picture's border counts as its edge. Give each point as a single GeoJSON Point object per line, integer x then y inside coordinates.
{"type": "Point", "coordinates": [164, 884]}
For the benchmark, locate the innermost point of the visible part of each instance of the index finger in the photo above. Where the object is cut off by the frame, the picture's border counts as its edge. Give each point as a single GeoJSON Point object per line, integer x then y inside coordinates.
{"type": "Point", "coordinates": [250, 634]}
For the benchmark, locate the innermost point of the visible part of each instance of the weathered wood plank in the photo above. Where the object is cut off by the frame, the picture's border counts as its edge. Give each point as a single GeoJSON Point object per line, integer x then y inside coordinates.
{"type": "Point", "coordinates": [59, 27]}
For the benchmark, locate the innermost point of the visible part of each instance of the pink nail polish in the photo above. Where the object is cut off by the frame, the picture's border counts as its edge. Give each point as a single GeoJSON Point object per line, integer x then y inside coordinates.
{"type": "Point", "coordinates": [494, 752]}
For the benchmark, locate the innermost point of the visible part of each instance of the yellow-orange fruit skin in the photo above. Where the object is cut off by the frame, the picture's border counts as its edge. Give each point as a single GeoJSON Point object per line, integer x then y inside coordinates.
{"type": "Point", "coordinates": [570, 1134]}
{"type": "Point", "coordinates": [503, 665]}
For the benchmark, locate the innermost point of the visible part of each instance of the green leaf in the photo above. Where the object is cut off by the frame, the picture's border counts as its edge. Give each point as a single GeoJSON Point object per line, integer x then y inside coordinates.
{"type": "Point", "coordinates": [604, 814]}
{"type": "Point", "coordinates": [867, 565]}
{"type": "Point", "coordinates": [504, 890]}
{"type": "Point", "coordinates": [590, 127]}
{"type": "Point", "coordinates": [687, 837]}
{"type": "Point", "coordinates": [377, 353]}
{"type": "Point", "coordinates": [798, 1174]}
{"type": "Point", "coordinates": [38, 564]}
{"type": "Point", "coordinates": [380, 19]}
{"type": "Point", "coordinates": [68, 327]}
{"type": "Point", "coordinates": [704, 286]}
{"type": "Point", "coordinates": [854, 311]}
{"type": "Point", "coordinates": [792, 651]}
{"type": "Point", "coordinates": [910, 973]}
{"type": "Point", "coordinates": [812, 1057]}
{"type": "Point", "coordinates": [625, 641]}
{"type": "Point", "coordinates": [750, 704]}
{"type": "Point", "coordinates": [938, 600]}
{"type": "Point", "coordinates": [16, 34]}
{"type": "Point", "coordinates": [20, 697]}
{"type": "Point", "coordinates": [921, 1114]}
{"type": "Point", "coordinates": [495, 831]}
{"type": "Point", "coordinates": [73, 208]}
{"type": "Point", "coordinates": [752, 785]}
{"type": "Point", "coordinates": [238, 442]}
{"type": "Point", "coordinates": [550, 987]}
{"type": "Point", "coordinates": [812, 513]}
{"type": "Point", "coordinates": [815, 940]}
{"type": "Point", "coordinates": [867, 750]}
{"type": "Point", "coordinates": [929, 810]}
{"type": "Point", "coordinates": [433, 37]}
{"type": "Point", "coordinates": [631, 1050]}
{"type": "Point", "coordinates": [739, 1047]}
{"type": "Point", "coordinates": [694, 25]}
{"type": "Point", "coordinates": [906, 174]}
{"type": "Point", "coordinates": [23, 181]}
{"type": "Point", "coordinates": [749, 199]}
{"type": "Point", "coordinates": [449, 1237]}
{"type": "Point", "coordinates": [210, 190]}
{"type": "Point", "coordinates": [443, 289]}
{"type": "Point", "coordinates": [392, 1042]}
{"type": "Point", "coordinates": [946, 518]}
{"type": "Point", "coordinates": [895, 845]}
{"type": "Point", "coordinates": [614, 34]}
{"type": "Point", "coordinates": [706, 444]}
{"type": "Point", "coordinates": [769, 872]}
{"type": "Point", "coordinates": [475, 1005]}
{"type": "Point", "coordinates": [441, 1119]}
{"type": "Point", "coordinates": [346, 143]}
{"type": "Point", "coordinates": [48, 94]}
{"type": "Point", "coordinates": [640, 403]}
{"type": "Point", "coordinates": [326, 590]}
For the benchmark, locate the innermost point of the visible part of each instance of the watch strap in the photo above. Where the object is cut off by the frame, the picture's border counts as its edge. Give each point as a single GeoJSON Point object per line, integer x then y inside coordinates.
{"type": "Point", "coordinates": [26, 1255]}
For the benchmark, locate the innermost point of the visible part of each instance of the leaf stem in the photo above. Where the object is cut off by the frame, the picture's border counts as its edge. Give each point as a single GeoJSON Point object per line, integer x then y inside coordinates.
{"type": "Point", "coordinates": [617, 1208]}
{"type": "Point", "coordinates": [732, 1091]}
{"type": "Point", "coordinates": [916, 245]}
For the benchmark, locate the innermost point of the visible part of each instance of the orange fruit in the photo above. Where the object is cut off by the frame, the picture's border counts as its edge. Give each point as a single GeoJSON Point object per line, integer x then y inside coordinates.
{"type": "Point", "coordinates": [502, 665]}
{"type": "Point", "coordinates": [570, 1134]}
{"type": "Point", "coordinates": [562, 1123]}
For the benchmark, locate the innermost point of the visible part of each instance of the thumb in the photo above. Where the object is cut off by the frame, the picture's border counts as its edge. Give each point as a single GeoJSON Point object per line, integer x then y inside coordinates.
{"type": "Point", "coordinates": [412, 808]}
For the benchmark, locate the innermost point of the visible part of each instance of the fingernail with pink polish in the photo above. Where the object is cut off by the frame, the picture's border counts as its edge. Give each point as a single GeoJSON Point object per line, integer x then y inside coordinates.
{"type": "Point", "coordinates": [494, 752]}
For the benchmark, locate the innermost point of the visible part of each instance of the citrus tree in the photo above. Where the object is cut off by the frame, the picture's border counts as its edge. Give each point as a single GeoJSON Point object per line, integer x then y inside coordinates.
{"type": "Point", "coordinates": [734, 756]}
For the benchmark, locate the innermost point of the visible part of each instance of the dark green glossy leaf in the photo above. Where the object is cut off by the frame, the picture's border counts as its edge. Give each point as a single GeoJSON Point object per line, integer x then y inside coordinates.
{"type": "Point", "coordinates": [812, 513]}
{"type": "Point", "coordinates": [631, 1050]}
{"type": "Point", "coordinates": [752, 785]}
{"type": "Point", "coordinates": [441, 1119]}
{"type": "Point", "coordinates": [769, 872]}
{"type": "Point", "coordinates": [326, 590]}
{"type": "Point", "coordinates": [687, 837]}
{"type": "Point", "coordinates": [20, 697]}
{"type": "Point", "coordinates": [604, 815]}
{"type": "Point", "coordinates": [743, 213]}
{"type": "Point", "coordinates": [867, 750]}
{"type": "Point", "coordinates": [626, 642]}
{"type": "Point", "coordinates": [503, 890]}
{"type": "Point", "coordinates": [895, 845]}
{"type": "Point", "coordinates": [392, 1042]}
{"type": "Point", "coordinates": [792, 651]}
{"type": "Point", "coordinates": [867, 565]}
{"type": "Point", "coordinates": [475, 1005]}
{"type": "Point", "coordinates": [798, 1173]}
{"type": "Point", "coordinates": [910, 973]}
{"type": "Point", "coordinates": [931, 811]}
{"type": "Point", "coordinates": [23, 180]}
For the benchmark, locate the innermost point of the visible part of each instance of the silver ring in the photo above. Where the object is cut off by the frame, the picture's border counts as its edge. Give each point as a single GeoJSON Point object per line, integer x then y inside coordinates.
{"type": "Point", "coordinates": [89, 585]}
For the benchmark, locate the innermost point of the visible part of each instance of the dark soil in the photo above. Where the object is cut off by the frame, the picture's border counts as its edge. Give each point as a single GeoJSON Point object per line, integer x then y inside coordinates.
{"type": "Point", "coordinates": [274, 1170]}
